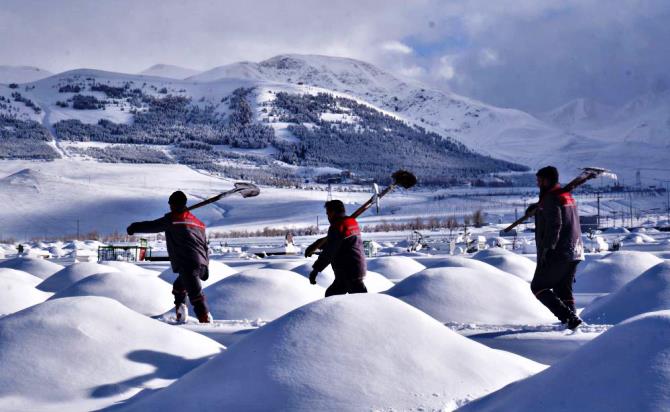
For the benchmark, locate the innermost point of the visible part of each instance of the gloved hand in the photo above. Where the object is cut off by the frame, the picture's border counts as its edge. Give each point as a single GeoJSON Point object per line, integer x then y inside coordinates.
{"type": "Point", "coordinates": [131, 229]}
{"type": "Point", "coordinates": [312, 277]}
{"type": "Point", "coordinates": [531, 209]}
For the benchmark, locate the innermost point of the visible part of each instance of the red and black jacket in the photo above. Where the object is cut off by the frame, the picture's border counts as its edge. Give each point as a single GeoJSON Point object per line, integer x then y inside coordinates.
{"type": "Point", "coordinates": [344, 250]}
{"type": "Point", "coordinates": [185, 237]}
{"type": "Point", "coordinates": [557, 226]}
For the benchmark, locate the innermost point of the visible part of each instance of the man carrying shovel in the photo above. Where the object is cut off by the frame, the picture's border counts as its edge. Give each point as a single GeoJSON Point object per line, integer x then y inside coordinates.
{"type": "Point", "coordinates": [187, 248]}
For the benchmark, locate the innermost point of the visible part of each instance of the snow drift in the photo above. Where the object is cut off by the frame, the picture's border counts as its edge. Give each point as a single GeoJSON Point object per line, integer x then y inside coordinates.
{"type": "Point", "coordinates": [374, 282]}
{"type": "Point", "coordinates": [217, 271]}
{"type": "Point", "coordinates": [17, 291]}
{"type": "Point", "coordinates": [81, 354]}
{"type": "Point", "coordinates": [647, 293]}
{"type": "Point", "coordinates": [395, 268]}
{"type": "Point", "coordinates": [36, 267]}
{"type": "Point", "coordinates": [507, 261]}
{"type": "Point", "coordinates": [466, 295]}
{"type": "Point", "coordinates": [355, 352]}
{"type": "Point", "coordinates": [628, 370]}
{"type": "Point", "coordinates": [142, 293]}
{"type": "Point", "coordinates": [73, 274]}
{"type": "Point", "coordinates": [613, 271]}
{"type": "Point", "coordinates": [260, 293]}
{"type": "Point", "coordinates": [129, 267]}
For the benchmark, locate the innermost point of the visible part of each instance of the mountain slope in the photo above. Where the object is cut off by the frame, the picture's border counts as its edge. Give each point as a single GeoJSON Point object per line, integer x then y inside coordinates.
{"type": "Point", "coordinates": [21, 74]}
{"type": "Point", "coordinates": [580, 133]}
{"type": "Point", "coordinates": [169, 71]}
{"type": "Point", "coordinates": [233, 126]}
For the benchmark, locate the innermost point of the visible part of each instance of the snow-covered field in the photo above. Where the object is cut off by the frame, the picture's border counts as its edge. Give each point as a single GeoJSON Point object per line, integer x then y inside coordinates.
{"type": "Point", "coordinates": [437, 332]}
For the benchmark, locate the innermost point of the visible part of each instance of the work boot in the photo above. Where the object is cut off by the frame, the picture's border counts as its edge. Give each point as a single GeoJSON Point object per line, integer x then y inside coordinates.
{"type": "Point", "coordinates": [573, 322]}
{"type": "Point", "coordinates": [206, 318]}
{"type": "Point", "coordinates": [181, 312]}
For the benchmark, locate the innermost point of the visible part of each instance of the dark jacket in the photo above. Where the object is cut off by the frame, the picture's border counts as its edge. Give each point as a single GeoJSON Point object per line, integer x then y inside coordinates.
{"type": "Point", "coordinates": [557, 226]}
{"type": "Point", "coordinates": [185, 238]}
{"type": "Point", "coordinates": [344, 250]}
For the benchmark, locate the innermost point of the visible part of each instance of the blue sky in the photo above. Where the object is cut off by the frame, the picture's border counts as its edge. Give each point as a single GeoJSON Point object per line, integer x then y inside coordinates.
{"type": "Point", "coordinates": [528, 54]}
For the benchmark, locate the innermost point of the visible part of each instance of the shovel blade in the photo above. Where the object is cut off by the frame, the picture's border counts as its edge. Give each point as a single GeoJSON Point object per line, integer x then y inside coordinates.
{"type": "Point", "coordinates": [247, 189]}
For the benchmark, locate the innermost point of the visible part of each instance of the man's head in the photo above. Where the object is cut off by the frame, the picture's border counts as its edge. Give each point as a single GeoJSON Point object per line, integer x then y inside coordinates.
{"type": "Point", "coordinates": [547, 177]}
{"type": "Point", "coordinates": [177, 201]}
{"type": "Point", "coordinates": [334, 209]}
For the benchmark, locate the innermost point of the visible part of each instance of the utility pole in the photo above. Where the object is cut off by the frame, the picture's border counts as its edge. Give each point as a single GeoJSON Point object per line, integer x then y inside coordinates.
{"type": "Point", "coordinates": [630, 205]}
{"type": "Point", "coordinates": [598, 216]}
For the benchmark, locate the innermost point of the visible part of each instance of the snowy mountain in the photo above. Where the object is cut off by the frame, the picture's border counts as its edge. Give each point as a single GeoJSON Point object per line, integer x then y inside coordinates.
{"type": "Point", "coordinates": [577, 134]}
{"type": "Point", "coordinates": [230, 126]}
{"type": "Point", "coordinates": [119, 108]}
{"type": "Point", "coordinates": [21, 74]}
{"type": "Point", "coordinates": [169, 71]}
{"type": "Point", "coordinates": [579, 114]}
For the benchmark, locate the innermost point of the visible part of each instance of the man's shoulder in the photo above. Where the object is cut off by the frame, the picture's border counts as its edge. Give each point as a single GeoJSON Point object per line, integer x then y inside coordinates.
{"type": "Point", "coordinates": [348, 226]}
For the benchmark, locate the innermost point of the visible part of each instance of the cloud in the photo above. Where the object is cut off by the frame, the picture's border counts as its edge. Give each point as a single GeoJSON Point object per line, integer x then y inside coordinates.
{"type": "Point", "coordinates": [396, 47]}
{"type": "Point", "coordinates": [529, 54]}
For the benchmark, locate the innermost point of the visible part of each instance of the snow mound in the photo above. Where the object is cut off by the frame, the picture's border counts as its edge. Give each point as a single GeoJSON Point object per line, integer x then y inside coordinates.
{"type": "Point", "coordinates": [145, 294]}
{"type": "Point", "coordinates": [72, 274]}
{"type": "Point", "coordinates": [260, 294]}
{"type": "Point", "coordinates": [466, 295]}
{"type": "Point", "coordinates": [345, 353]}
{"type": "Point", "coordinates": [627, 371]}
{"type": "Point", "coordinates": [395, 268]}
{"type": "Point", "coordinates": [647, 293]}
{"type": "Point", "coordinates": [639, 238]}
{"type": "Point", "coordinates": [20, 275]}
{"type": "Point", "coordinates": [374, 282]}
{"type": "Point", "coordinates": [85, 353]}
{"type": "Point", "coordinates": [217, 271]}
{"type": "Point", "coordinates": [613, 271]}
{"type": "Point", "coordinates": [36, 267]}
{"type": "Point", "coordinates": [286, 264]}
{"type": "Point", "coordinates": [17, 291]}
{"type": "Point", "coordinates": [324, 279]}
{"type": "Point", "coordinates": [128, 267]}
{"type": "Point", "coordinates": [507, 261]}
{"type": "Point", "coordinates": [616, 230]}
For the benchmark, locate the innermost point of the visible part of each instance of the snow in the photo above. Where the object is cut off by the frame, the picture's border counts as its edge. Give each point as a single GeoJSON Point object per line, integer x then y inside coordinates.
{"type": "Point", "coordinates": [627, 371]}
{"type": "Point", "coordinates": [20, 275]}
{"type": "Point", "coordinates": [613, 271]}
{"type": "Point", "coordinates": [145, 294]}
{"type": "Point", "coordinates": [648, 292]}
{"type": "Point", "coordinates": [260, 294]}
{"type": "Point", "coordinates": [217, 271]}
{"type": "Point", "coordinates": [36, 267]}
{"type": "Point", "coordinates": [169, 71]}
{"type": "Point", "coordinates": [374, 282]}
{"type": "Point", "coordinates": [86, 353]}
{"type": "Point", "coordinates": [395, 268]}
{"type": "Point", "coordinates": [72, 274]}
{"type": "Point", "coordinates": [127, 267]}
{"type": "Point", "coordinates": [465, 295]}
{"type": "Point", "coordinates": [21, 74]}
{"type": "Point", "coordinates": [17, 291]}
{"type": "Point", "coordinates": [507, 261]}
{"type": "Point", "coordinates": [355, 352]}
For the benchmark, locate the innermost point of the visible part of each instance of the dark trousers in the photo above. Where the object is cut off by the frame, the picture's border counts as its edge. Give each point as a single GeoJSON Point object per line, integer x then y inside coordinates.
{"type": "Point", "coordinates": [552, 285]}
{"type": "Point", "coordinates": [342, 286]}
{"type": "Point", "coordinates": [188, 282]}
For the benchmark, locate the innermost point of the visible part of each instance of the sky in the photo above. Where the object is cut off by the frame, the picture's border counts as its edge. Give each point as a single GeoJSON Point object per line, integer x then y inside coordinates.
{"type": "Point", "coordinates": [532, 55]}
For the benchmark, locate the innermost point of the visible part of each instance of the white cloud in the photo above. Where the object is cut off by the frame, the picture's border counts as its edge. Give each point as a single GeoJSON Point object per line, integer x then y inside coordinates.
{"type": "Point", "coordinates": [446, 67]}
{"type": "Point", "coordinates": [396, 47]}
{"type": "Point", "coordinates": [412, 72]}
